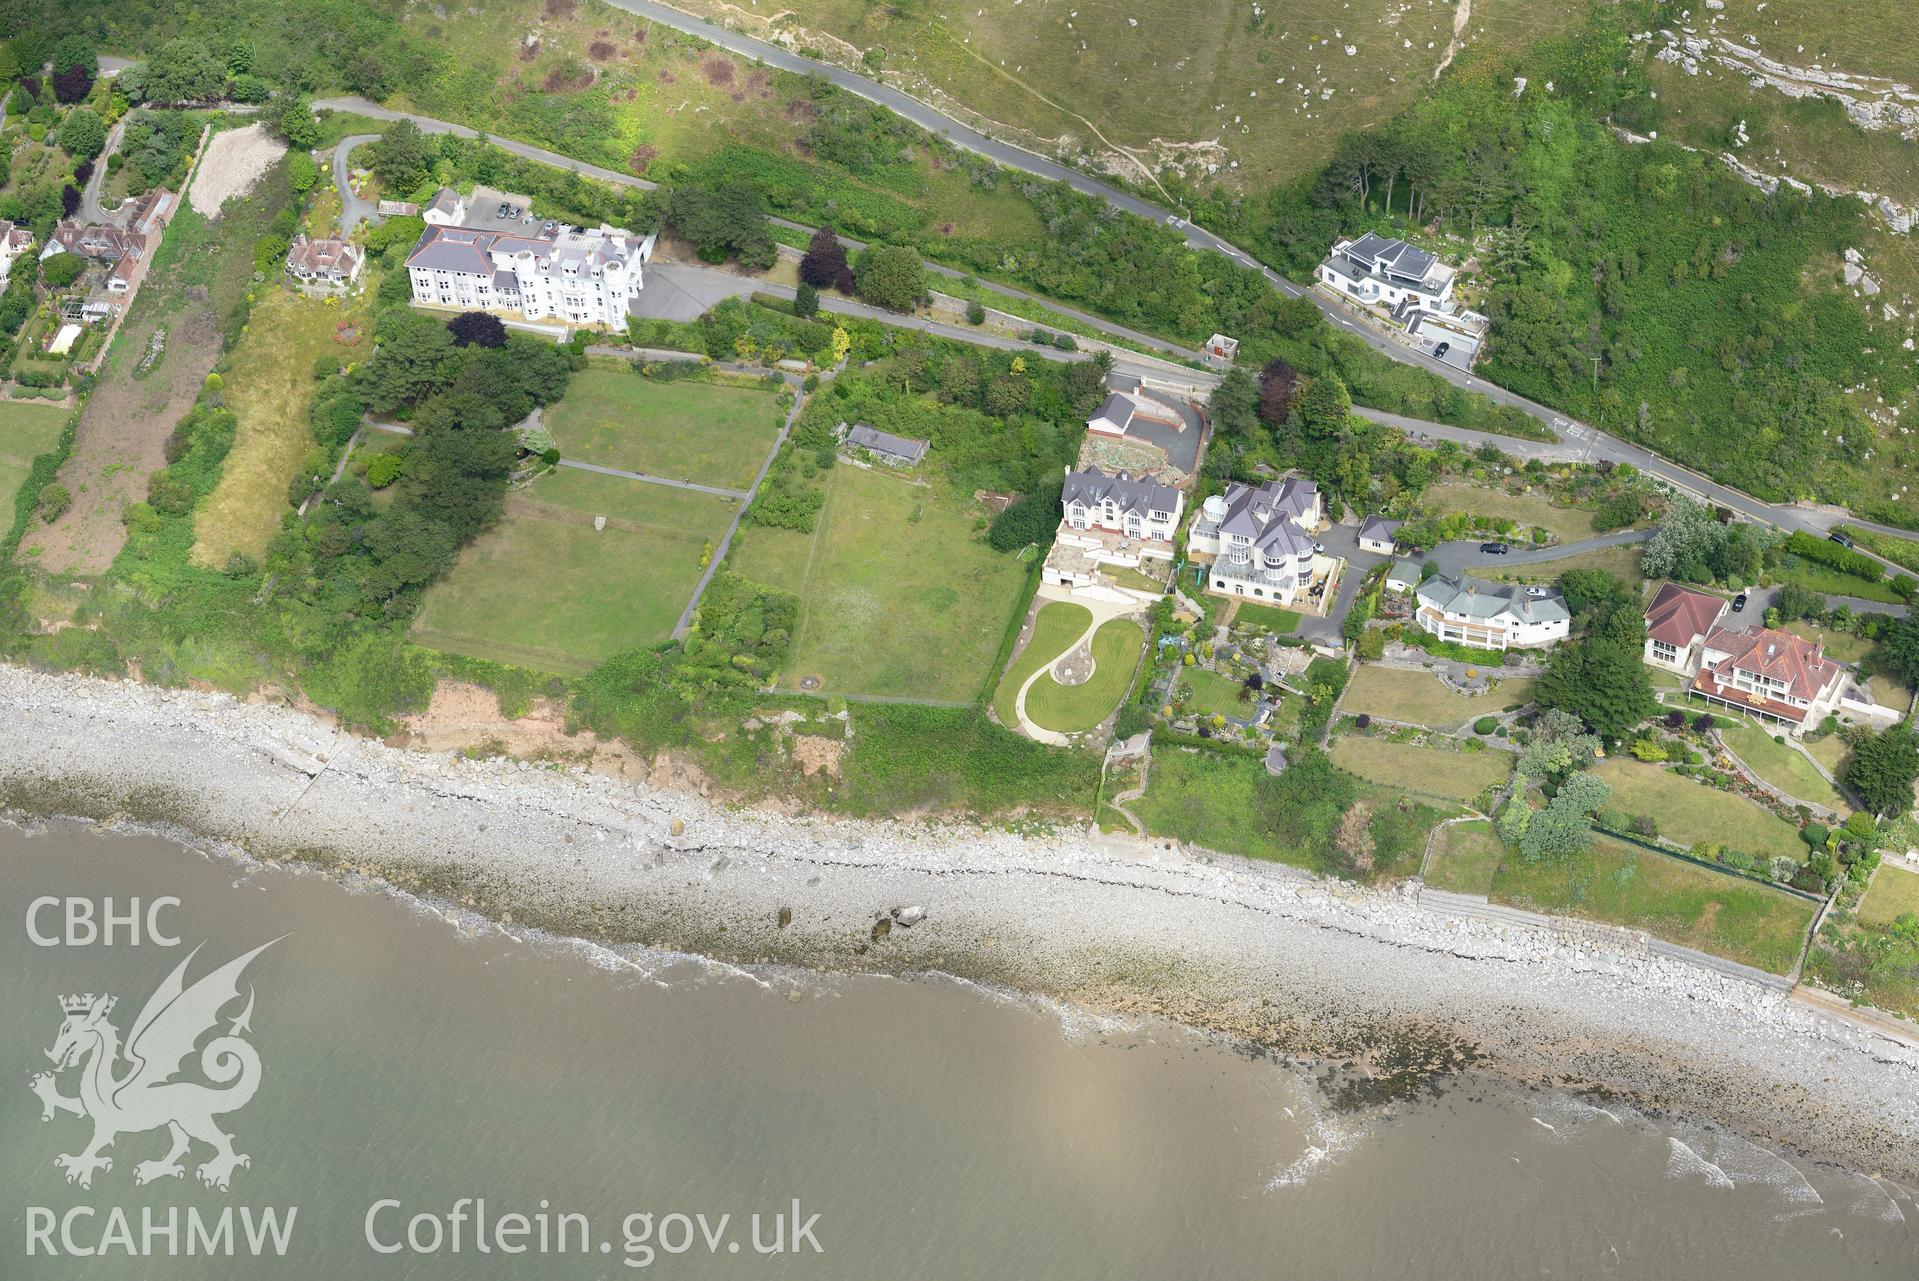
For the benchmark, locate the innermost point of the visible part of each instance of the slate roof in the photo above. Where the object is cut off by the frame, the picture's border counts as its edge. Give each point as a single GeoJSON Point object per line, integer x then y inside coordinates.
{"type": "Point", "coordinates": [1092, 487]}
{"type": "Point", "coordinates": [885, 443]}
{"type": "Point", "coordinates": [1251, 508]}
{"type": "Point", "coordinates": [1379, 529]}
{"type": "Point", "coordinates": [454, 249]}
{"type": "Point", "coordinates": [1679, 617]}
{"type": "Point", "coordinates": [1476, 599]}
{"type": "Point", "coordinates": [1117, 409]}
{"type": "Point", "coordinates": [1404, 571]}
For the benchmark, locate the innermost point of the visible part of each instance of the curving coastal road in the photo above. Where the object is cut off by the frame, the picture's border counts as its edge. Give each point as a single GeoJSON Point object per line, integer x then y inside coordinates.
{"type": "Point", "coordinates": [1576, 440]}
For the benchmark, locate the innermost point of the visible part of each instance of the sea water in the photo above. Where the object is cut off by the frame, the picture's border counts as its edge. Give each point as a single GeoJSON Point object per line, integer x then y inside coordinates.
{"type": "Point", "coordinates": [439, 1097]}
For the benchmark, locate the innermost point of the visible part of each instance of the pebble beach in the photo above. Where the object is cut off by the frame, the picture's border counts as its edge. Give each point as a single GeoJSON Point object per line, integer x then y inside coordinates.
{"type": "Point", "coordinates": [1391, 996]}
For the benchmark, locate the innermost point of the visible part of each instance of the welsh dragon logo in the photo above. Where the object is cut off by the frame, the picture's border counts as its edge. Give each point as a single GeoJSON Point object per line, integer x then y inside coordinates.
{"type": "Point", "coordinates": [129, 1089]}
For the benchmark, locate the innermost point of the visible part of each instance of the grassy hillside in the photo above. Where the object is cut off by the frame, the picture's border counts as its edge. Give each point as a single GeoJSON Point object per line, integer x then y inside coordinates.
{"type": "Point", "coordinates": [1211, 91]}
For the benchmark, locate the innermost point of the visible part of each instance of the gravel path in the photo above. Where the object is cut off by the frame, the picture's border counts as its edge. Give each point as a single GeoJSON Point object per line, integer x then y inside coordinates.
{"type": "Point", "coordinates": [1309, 966]}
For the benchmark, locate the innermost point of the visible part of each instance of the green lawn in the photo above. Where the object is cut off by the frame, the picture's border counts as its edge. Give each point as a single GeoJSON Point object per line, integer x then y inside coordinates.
{"type": "Point", "coordinates": [1688, 812]}
{"type": "Point", "coordinates": [1435, 771]}
{"type": "Point", "coordinates": [1831, 750]}
{"type": "Point", "coordinates": [1466, 858]}
{"type": "Point", "coordinates": [1134, 579]}
{"type": "Point", "coordinates": [1070, 709]}
{"type": "Point", "coordinates": [1834, 582]}
{"type": "Point", "coordinates": [1281, 622]}
{"type": "Point", "coordinates": [686, 430]}
{"type": "Point", "coordinates": [1213, 694]}
{"type": "Point", "coordinates": [1209, 798]}
{"type": "Point", "coordinates": [545, 590]}
{"type": "Point", "coordinates": [1620, 561]}
{"type": "Point", "coordinates": [1057, 625]}
{"type": "Point", "coordinates": [26, 431]}
{"type": "Point", "coordinates": [1894, 892]}
{"type": "Point", "coordinates": [899, 595]}
{"type": "Point", "coordinates": [1418, 697]}
{"type": "Point", "coordinates": [1622, 884]}
{"type": "Point", "coordinates": [1567, 524]}
{"type": "Point", "coordinates": [1786, 768]}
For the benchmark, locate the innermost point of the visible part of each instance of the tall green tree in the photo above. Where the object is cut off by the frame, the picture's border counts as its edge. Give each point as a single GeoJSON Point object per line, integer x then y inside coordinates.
{"type": "Point", "coordinates": [1601, 680]}
{"type": "Point", "coordinates": [890, 276]}
{"type": "Point", "coordinates": [1882, 769]}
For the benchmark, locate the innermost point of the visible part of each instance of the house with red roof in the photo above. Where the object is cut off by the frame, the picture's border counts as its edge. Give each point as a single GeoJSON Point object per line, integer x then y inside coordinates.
{"type": "Point", "coordinates": [1676, 624]}
{"type": "Point", "coordinates": [1771, 673]}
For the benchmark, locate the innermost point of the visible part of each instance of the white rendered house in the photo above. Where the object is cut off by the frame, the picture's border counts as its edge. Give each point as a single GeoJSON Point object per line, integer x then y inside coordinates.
{"type": "Point", "coordinates": [1471, 611]}
{"type": "Point", "coordinates": [1260, 538]}
{"type": "Point", "coordinates": [557, 272]}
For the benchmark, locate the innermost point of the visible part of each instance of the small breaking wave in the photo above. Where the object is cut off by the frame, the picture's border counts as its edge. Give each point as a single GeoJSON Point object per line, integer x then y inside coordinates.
{"type": "Point", "coordinates": [1685, 1164]}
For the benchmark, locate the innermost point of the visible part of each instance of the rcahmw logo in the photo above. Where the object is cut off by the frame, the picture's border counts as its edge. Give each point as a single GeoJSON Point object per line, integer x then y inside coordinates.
{"type": "Point", "coordinates": [129, 1087]}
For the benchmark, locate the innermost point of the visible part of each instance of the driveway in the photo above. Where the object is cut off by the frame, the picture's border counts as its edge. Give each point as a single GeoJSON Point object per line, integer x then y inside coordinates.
{"type": "Point", "coordinates": [1452, 558]}
{"type": "Point", "coordinates": [90, 210]}
{"type": "Point", "coordinates": [353, 209]}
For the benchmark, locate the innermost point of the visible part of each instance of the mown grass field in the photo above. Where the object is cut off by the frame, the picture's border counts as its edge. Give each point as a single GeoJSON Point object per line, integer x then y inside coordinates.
{"type": "Point", "coordinates": [1055, 627]}
{"type": "Point", "coordinates": [1466, 858]}
{"type": "Point", "coordinates": [1688, 812]}
{"type": "Point", "coordinates": [1434, 771]}
{"type": "Point", "coordinates": [703, 432]}
{"type": "Point", "coordinates": [1894, 892]}
{"type": "Point", "coordinates": [546, 590]}
{"type": "Point", "coordinates": [899, 595]}
{"type": "Point", "coordinates": [1783, 766]}
{"type": "Point", "coordinates": [1841, 646]}
{"type": "Point", "coordinates": [1567, 524]}
{"type": "Point", "coordinates": [1621, 884]}
{"type": "Point", "coordinates": [1071, 709]}
{"type": "Point", "coordinates": [269, 383]}
{"type": "Point", "coordinates": [26, 432]}
{"type": "Point", "coordinates": [1418, 697]}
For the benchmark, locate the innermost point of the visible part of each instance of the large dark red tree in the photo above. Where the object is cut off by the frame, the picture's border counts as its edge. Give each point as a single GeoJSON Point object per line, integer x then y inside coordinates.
{"type": "Point", "coordinates": [825, 260]}
{"type": "Point", "coordinates": [1277, 383]}
{"type": "Point", "coordinates": [477, 329]}
{"type": "Point", "coordinates": [72, 84]}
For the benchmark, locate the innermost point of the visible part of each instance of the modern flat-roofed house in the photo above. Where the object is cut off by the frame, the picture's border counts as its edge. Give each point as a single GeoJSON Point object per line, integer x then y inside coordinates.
{"type": "Point", "coordinates": [1260, 538]}
{"type": "Point", "coordinates": [1676, 623]}
{"type": "Point", "coordinates": [1471, 611]}
{"type": "Point", "coordinates": [553, 272]}
{"type": "Point", "coordinates": [1123, 504]}
{"type": "Point", "coordinates": [1388, 274]}
{"type": "Point", "coordinates": [1769, 672]}
{"type": "Point", "coordinates": [324, 264]}
{"type": "Point", "coordinates": [1379, 535]}
{"type": "Point", "coordinates": [1409, 288]}
{"type": "Point", "coordinates": [895, 451]}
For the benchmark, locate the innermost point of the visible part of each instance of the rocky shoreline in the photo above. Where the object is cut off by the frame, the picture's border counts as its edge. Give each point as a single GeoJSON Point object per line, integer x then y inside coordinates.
{"type": "Point", "coordinates": [1369, 982]}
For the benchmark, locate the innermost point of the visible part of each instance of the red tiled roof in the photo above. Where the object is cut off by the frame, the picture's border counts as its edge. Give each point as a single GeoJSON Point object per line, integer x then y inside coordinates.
{"type": "Point", "coordinates": [1678, 616]}
{"type": "Point", "coordinates": [1705, 684]}
{"type": "Point", "coordinates": [1776, 655]}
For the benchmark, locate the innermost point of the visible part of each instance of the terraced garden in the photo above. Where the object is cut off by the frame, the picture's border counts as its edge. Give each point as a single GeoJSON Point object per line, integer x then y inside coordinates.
{"type": "Point", "coordinates": [1435, 771]}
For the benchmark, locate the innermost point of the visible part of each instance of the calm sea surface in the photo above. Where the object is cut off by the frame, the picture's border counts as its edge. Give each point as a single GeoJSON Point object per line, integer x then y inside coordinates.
{"type": "Point", "coordinates": [413, 1066]}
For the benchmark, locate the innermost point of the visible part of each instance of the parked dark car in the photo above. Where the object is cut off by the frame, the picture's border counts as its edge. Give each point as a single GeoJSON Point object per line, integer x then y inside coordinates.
{"type": "Point", "coordinates": [1442, 349]}
{"type": "Point", "coordinates": [1494, 549]}
{"type": "Point", "coordinates": [1738, 602]}
{"type": "Point", "coordinates": [1836, 537]}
